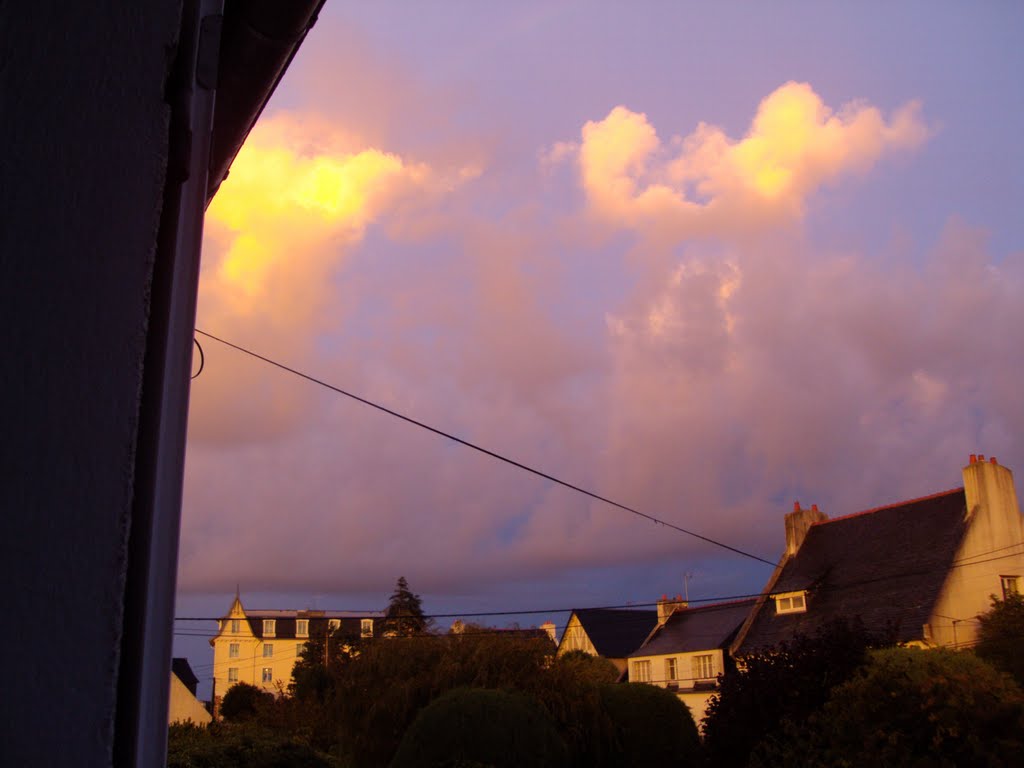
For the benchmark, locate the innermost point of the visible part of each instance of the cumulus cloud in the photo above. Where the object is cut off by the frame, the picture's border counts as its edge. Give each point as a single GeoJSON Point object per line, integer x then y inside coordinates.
{"type": "Point", "coordinates": [682, 366]}
{"type": "Point", "coordinates": [701, 183]}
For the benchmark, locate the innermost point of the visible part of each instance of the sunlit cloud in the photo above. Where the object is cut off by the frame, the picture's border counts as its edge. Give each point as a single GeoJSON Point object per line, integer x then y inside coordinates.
{"type": "Point", "coordinates": [710, 184]}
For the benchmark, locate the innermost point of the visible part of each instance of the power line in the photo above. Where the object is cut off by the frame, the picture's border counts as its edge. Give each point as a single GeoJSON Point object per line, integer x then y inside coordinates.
{"type": "Point", "coordinates": [485, 451]}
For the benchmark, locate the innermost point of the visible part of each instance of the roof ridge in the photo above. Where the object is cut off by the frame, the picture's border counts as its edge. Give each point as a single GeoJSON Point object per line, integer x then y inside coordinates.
{"type": "Point", "coordinates": [737, 601]}
{"type": "Point", "coordinates": [893, 505]}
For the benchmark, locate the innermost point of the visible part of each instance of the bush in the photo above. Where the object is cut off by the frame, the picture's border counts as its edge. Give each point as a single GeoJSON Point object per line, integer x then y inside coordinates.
{"type": "Point", "coordinates": [1001, 635]}
{"type": "Point", "coordinates": [238, 746]}
{"type": "Point", "coordinates": [915, 708]}
{"type": "Point", "coordinates": [243, 702]}
{"type": "Point", "coordinates": [651, 727]}
{"type": "Point", "coordinates": [473, 726]}
{"type": "Point", "coordinates": [787, 683]}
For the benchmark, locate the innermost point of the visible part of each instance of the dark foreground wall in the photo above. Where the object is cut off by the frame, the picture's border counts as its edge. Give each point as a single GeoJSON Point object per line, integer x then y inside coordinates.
{"type": "Point", "coordinates": [83, 144]}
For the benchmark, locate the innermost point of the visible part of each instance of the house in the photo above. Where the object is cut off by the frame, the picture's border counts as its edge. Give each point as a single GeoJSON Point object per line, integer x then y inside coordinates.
{"type": "Point", "coordinates": [687, 651]}
{"type": "Point", "coordinates": [261, 647]}
{"type": "Point", "coordinates": [184, 706]}
{"type": "Point", "coordinates": [918, 571]}
{"type": "Point", "coordinates": [612, 633]}
{"type": "Point", "coordinates": [545, 631]}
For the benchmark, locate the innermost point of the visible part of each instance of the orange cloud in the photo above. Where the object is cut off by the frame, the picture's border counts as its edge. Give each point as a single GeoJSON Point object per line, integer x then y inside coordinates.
{"type": "Point", "coordinates": [795, 145]}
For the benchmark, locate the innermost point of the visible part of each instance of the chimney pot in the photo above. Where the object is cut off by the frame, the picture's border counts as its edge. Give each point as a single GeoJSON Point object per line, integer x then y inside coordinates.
{"type": "Point", "coordinates": [981, 457]}
{"type": "Point", "coordinates": [664, 597]}
{"type": "Point", "coordinates": [796, 506]}
{"type": "Point", "coordinates": [974, 458]}
{"type": "Point", "coordinates": [814, 507]}
{"type": "Point", "coordinates": [993, 460]}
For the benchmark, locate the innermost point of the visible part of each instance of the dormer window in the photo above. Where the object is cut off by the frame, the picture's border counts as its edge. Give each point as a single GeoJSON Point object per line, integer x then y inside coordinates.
{"type": "Point", "coordinates": [366, 628]}
{"type": "Point", "coordinates": [234, 626]}
{"type": "Point", "coordinates": [334, 624]}
{"type": "Point", "coordinates": [302, 627]}
{"type": "Point", "coordinates": [791, 602]}
{"type": "Point", "coordinates": [269, 627]}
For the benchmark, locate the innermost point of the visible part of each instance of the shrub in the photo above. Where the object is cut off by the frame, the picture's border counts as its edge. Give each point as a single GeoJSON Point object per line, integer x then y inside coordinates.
{"type": "Point", "coordinates": [651, 727]}
{"type": "Point", "coordinates": [474, 726]}
{"type": "Point", "coordinates": [1001, 635]}
{"type": "Point", "coordinates": [243, 701]}
{"type": "Point", "coordinates": [915, 708]}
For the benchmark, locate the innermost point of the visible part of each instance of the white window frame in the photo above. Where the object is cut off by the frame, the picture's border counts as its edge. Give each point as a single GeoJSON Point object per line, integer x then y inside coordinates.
{"type": "Point", "coordinates": [268, 650]}
{"type": "Point", "coordinates": [333, 624]}
{"type": "Point", "coordinates": [268, 674]}
{"type": "Point", "coordinates": [641, 671]}
{"type": "Point", "coordinates": [234, 650]}
{"type": "Point", "coordinates": [269, 627]}
{"type": "Point", "coordinates": [1010, 585]}
{"type": "Point", "coordinates": [366, 628]}
{"type": "Point", "coordinates": [791, 602]}
{"type": "Point", "coordinates": [302, 627]}
{"type": "Point", "coordinates": [671, 669]}
{"type": "Point", "coordinates": [702, 666]}
{"type": "Point", "coordinates": [299, 648]}
{"type": "Point", "coordinates": [235, 626]}
{"type": "Point", "coordinates": [232, 674]}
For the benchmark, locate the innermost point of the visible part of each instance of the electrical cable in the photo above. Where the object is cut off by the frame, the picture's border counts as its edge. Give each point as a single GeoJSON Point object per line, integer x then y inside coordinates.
{"type": "Point", "coordinates": [485, 451]}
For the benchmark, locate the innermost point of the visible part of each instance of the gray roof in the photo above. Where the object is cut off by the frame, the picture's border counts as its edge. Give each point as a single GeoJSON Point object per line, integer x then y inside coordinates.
{"type": "Point", "coordinates": [884, 566]}
{"type": "Point", "coordinates": [697, 629]}
{"type": "Point", "coordinates": [616, 632]}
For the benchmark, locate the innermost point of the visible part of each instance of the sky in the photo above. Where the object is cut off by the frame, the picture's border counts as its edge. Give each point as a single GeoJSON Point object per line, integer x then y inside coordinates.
{"type": "Point", "coordinates": [703, 259]}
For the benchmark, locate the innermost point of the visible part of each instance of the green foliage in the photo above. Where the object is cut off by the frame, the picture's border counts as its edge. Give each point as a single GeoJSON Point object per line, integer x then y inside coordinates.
{"type": "Point", "coordinates": [475, 726]}
{"type": "Point", "coordinates": [786, 683]}
{"type": "Point", "coordinates": [379, 694]}
{"type": "Point", "coordinates": [584, 667]}
{"type": "Point", "coordinates": [239, 746]}
{"type": "Point", "coordinates": [652, 727]}
{"type": "Point", "coordinates": [1001, 636]}
{"type": "Point", "coordinates": [243, 701]}
{"type": "Point", "coordinates": [910, 707]}
{"type": "Point", "coordinates": [404, 614]}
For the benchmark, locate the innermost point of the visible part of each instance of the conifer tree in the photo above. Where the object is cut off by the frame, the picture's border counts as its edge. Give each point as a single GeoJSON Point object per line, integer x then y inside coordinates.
{"type": "Point", "coordinates": [404, 614]}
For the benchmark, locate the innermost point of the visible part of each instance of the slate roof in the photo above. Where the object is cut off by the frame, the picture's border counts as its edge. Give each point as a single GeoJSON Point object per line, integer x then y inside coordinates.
{"type": "Point", "coordinates": [697, 629]}
{"type": "Point", "coordinates": [284, 622]}
{"type": "Point", "coordinates": [616, 632]}
{"type": "Point", "coordinates": [183, 670]}
{"type": "Point", "coordinates": [885, 566]}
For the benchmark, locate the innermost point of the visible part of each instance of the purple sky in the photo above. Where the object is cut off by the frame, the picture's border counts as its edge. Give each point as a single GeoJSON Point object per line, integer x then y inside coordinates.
{"type": "Point", "coordinates": [703, 261]}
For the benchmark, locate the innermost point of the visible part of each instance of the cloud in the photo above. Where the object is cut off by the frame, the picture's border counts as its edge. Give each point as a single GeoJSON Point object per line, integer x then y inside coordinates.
{"type": "Point", "coordinates": [680, 366]}
{"type": "Point", "coordinates": [709, 184]}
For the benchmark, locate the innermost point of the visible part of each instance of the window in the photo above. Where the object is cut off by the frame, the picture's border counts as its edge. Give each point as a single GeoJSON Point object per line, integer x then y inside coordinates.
{"type": "Point", "coordinates": [234, 626]}
{"type": "Point", "coordinates": [268, 674]}
{"type": "Point", "coordinates": [366, 628]}
{"type": "Point", "coordinates": [269, 627]}
{"type": "Point", "coordinates": [703, 667]}
{"type": "Point", "coordinates": [300, 648]}
{"type": "Point", "coordinates": [671, 672]}
{"type": "Point", "coordinates": [642, 671]}
{"type": "Point", "coordinates": [1010, 586]}
{"type": "Point", "coordinates": [302, 627]}
{"type": "Point", "coordinates": [232, 674]}
{"type": "Point", "coordinates": [268, 650]}
{"type": "Point", "coordinates": [233, 651]}
{"type": "Point", "coordinates": [333, 624]}
{"type": "Point", "coordinates": [791, 602]}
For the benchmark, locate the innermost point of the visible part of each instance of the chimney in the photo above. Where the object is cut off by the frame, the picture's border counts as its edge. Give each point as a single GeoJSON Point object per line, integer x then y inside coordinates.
{"type": "Point", "coordinates": [988, 486]}
{"type": "Point", "coordinates": [549, 627]}
{"type": "Point", "coordinates": [667, 606]}
{"type": "Point", "coordinates": [798, 522]}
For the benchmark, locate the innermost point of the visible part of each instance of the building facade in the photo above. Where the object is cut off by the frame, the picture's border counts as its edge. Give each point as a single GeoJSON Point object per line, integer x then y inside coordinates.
{"type": "Point", "coordinates": [260, 647]}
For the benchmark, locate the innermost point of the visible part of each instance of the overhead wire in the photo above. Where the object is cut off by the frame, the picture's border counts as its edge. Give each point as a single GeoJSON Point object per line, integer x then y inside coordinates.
{"type": "Point", "coordinates": [486, 451]}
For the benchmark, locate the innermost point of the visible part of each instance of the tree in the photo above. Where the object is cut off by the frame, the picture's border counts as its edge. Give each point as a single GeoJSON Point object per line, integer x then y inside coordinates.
{"type": "Point", "coordinates": [477, 726]}
{"type": "Point", "coordinates": [911, 707]}
{"type": "Point", "coordinates": [1001, 636]}
{"type": "Point", "coordinates": [243, 701]}
{"type": "Point", "coordinates": [404, 614]}
{"type": "Point", "coordinates": [786, 683]}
